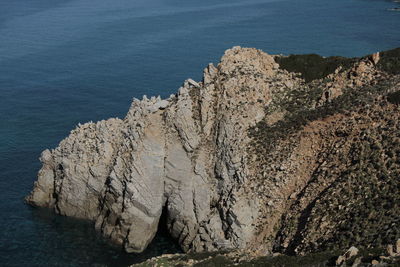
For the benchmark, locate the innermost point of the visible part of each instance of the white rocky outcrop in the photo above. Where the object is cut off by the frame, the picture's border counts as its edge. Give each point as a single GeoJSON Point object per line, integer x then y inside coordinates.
{"type": "Point", "coordinates": [192, 158]}
{"type": "Point", "coordinates": [184, 153]}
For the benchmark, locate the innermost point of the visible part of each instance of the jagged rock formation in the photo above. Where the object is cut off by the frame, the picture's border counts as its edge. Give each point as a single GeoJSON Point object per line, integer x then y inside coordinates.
{"type": "Point", "coordinates": [253, 157]}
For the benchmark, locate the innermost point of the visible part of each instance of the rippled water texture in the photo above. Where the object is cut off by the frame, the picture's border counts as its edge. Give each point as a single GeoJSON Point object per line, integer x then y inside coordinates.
{"type": "Point", "coordinates": [69, 61]}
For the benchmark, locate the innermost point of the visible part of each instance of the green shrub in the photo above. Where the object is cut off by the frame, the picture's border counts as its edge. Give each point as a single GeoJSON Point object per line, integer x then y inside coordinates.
{"type": "Point", "coordinates": [394, 98]}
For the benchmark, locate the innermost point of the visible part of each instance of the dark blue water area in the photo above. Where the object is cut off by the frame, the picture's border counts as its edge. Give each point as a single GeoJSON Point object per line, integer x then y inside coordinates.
{"type": "Point", "coordinates": [68, 61]}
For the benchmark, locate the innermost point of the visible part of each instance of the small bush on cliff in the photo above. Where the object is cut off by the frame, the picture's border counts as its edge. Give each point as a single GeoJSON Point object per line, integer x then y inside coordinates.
{"type": "Point", "coordinates": [394, 98]}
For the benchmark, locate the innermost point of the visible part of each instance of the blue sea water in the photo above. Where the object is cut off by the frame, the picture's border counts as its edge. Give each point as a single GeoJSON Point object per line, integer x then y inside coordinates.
{"type": "Point", "coordinates": [68, 61]}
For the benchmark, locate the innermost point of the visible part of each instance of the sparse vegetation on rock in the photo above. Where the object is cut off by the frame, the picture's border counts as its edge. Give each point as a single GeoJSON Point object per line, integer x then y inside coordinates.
{"type": "Point", "coordinates": [268, 154]}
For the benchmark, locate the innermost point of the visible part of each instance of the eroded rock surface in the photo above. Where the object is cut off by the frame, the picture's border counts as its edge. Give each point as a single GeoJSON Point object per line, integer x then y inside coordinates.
{"type": "Point", "coordinates": [226, 158]}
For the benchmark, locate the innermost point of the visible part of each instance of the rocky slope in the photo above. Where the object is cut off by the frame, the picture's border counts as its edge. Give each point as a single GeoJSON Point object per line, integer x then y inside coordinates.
{"type": "Point", "coordinates": [267, 153]}
{"type": "Point", "coordinates": [352, 257]}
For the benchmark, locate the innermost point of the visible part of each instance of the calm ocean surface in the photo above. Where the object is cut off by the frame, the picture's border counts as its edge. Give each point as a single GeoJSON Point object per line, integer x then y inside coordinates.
{"type": "Point", "coordinates": [69, 61]}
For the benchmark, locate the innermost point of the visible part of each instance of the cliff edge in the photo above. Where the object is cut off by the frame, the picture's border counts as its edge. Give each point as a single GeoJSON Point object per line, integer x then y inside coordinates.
{"type": "Point", "coordinates": [267, 153]}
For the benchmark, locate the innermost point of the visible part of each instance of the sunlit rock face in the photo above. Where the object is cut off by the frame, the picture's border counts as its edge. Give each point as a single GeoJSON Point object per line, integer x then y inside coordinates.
{"type": "Point", "coordinates": [226, 158]}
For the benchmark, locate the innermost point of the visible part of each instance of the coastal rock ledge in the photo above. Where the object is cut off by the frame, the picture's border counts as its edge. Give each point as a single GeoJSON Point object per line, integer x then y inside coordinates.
{"type": "Point", "coordinates": [263, 154]}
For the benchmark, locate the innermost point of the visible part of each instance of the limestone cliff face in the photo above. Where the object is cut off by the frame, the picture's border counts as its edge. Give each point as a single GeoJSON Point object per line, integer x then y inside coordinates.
{"type": "Point", "coordinates": [215, 157]}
